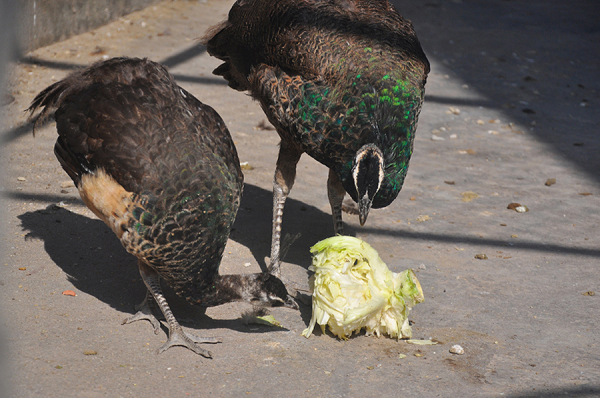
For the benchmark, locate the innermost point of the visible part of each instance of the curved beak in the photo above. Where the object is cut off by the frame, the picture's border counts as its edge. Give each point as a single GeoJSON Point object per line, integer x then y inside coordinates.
{"type": "Point", "coordinates": [364, 205]}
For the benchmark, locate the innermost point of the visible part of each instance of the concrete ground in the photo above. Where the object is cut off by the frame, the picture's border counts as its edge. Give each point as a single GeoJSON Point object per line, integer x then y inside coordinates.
{"type": "Point", "coordinates": [512, 101]}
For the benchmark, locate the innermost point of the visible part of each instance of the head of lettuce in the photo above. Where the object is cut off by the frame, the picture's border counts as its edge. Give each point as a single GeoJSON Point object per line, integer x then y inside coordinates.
{"type": "Point", "coordinates": [354, 289]}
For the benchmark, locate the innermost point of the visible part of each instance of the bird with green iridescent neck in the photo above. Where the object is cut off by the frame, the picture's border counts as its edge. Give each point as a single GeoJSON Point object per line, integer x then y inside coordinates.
{"type": "Point", "coordinates": [341, 80]}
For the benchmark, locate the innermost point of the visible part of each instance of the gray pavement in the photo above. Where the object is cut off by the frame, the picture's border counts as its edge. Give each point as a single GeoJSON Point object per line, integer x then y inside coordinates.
{"type": "Point", "coordinates": [512, 101]}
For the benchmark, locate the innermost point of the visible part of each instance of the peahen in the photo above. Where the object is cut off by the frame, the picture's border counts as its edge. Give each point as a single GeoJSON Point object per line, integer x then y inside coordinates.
{"type": "Point", "coordinates": [160, 169]}
{"type": "Point", "coordinates": [342, 80]}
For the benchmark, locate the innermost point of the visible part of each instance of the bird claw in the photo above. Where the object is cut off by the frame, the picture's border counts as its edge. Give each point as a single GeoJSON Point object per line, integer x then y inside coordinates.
{"type": "Point", "coordinates": [144, 314]}
{"type": "Point", "coordinates": [177, 337]}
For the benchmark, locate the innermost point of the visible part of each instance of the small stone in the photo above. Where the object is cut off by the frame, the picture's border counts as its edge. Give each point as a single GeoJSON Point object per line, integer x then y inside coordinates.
{"type": "Point", "coordinates": [481, 256]}
{"type": "Point", "coordinates": [589, 293]}
{"type": "Point", "coordinates": [550, 181]}
{"type": "Point", "coordinates": [456, 349]}
{"type": "Point", "coordinates": [519, 208]}
{"type": "Point", "coordinates": [90, 352]}
{"type": "Point", "coordinates": [437, 138]}
{"type": "Point", "coordinates": [21, 179]}
{"type": "Point", "coordinates": [67, 184]}
{"type": "Point", "coordinates": [453, 111]}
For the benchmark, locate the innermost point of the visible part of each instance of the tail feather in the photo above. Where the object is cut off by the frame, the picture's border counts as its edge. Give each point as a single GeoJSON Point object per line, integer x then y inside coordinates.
{"type": "Point", "coordinates": [52, 97]}
{"type": "Point", "coordinates": [49, 100]}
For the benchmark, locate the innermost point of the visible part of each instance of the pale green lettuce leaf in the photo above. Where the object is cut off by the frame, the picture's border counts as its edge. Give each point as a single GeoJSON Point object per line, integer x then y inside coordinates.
{"type": "Point", "coordinates": [354, 289]}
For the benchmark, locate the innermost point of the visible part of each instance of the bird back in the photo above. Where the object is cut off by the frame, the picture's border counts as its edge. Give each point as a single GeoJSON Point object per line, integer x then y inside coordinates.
{"type": "Point", "coordinates": [331, 76]}
{"type": "Point", "coordinates": [173, 153]}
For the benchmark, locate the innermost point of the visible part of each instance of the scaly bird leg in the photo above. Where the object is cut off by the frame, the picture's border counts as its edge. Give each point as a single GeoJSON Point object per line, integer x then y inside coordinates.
{"type": "Point", "coordinates": [336, 193]}
{"type": "Point", "coordinates": [145, 313]}
{"type": "Point", "coordinates": [177, 336]}
{"type": "Point", "coordinates": [285, 174]}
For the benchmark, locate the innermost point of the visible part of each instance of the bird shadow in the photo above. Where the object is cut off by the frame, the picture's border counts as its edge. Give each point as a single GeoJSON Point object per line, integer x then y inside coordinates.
{"type": "Point", "coordinates": [253, 225]}
{"type": "Point", "coordinates": [88, 252]}
{"type": "Point", "coordinates": [95, 263]}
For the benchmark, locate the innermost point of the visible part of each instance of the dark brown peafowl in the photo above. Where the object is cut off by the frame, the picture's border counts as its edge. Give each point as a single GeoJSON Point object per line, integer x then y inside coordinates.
{"type": "Point", "coordinates": [160, 168]}
{"type": "Point", "coordinates": [342, 80]}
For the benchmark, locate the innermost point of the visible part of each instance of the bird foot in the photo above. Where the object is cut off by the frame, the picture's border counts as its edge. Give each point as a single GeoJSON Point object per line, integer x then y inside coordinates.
{"type": "Point", "coordinates": [177, 337]}
{"type": "Point", "coordinates": [144, 314]}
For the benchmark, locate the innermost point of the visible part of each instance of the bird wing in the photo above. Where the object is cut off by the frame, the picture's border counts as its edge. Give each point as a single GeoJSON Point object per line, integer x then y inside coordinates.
{"type": "Point", "coordinates": [307, 37]}
{"type": "Point", "coordinates": [157, 165]}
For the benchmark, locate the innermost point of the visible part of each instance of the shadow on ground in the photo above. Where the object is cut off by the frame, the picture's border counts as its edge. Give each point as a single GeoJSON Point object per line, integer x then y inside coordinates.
{"type": "Point", "coordinates": [96, 263]}
{"type": "Point", "coordinates": [536, 61]}
{"type": "Point", "coordinates": [579, 391]}
{"type": "Point", "coordinates": [252, 227]}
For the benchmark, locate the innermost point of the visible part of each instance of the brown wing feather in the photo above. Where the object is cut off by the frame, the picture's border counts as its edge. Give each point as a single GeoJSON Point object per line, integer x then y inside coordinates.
{"type": "Point", "coordinates": [173, 180]}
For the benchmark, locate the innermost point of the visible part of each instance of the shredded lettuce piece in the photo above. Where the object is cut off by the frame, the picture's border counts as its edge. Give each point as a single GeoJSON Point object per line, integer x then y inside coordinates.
{"type": "Point", "coordinates": [422, 342]}
{"type": "Point", "coordinates": [354, 289]}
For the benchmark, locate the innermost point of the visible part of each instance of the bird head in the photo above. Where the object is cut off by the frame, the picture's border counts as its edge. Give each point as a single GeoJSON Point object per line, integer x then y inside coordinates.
{"type": "Point", "coordinates": [367, 174]}
{"type": "Point", "coordinates": [269, 291]}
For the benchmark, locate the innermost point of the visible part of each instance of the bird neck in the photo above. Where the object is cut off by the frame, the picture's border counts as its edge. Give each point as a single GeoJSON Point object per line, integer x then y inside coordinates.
{"type": "Point", "coordinates": [225, 289]}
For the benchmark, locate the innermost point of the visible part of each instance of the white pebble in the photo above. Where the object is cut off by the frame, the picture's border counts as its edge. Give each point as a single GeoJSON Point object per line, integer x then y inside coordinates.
{"type": "Point", "coordinates": [456, 349]}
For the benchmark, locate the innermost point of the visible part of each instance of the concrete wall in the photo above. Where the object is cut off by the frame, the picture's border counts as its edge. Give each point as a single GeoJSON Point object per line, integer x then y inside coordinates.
{"type": "Point", "coordinates": [46, 21]}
